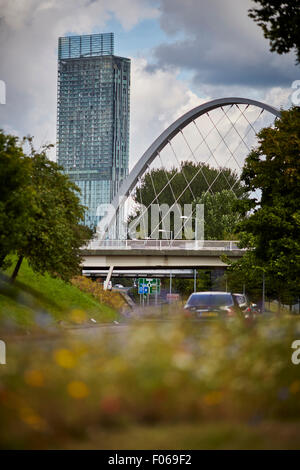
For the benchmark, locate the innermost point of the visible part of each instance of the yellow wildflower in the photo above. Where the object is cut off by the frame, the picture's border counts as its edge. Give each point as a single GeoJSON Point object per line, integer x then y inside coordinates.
{"type": "Point", "coordinates": [64, 358]}
{"type": "Point", "coordinates": [295, 387]}
{"type": "Point", "coordinates": [35, 378]}
{"type": "Point", "coordinates": [213, 398]}
{"type": "Point", "coordinates": [78, 389]}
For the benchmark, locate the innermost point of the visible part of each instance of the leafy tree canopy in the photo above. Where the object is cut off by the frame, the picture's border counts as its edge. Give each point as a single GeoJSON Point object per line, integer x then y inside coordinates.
{"type": "Point", "coordinates": [280, 22]}
{"type": "Point", "coordinates": [273, 222]}
{"type": "Point", "coordinates": [217, 188]}
{"type": "Point", "coordinates": [49, 220]}
{"type": "Point", "coordinates": [15, 202]}
{"type": "Point", "coordinates": [220, 215]}
{"type": "Point", "coordinates": [162, 186]}
{"type": "Point", "coordinates": [200, 176]}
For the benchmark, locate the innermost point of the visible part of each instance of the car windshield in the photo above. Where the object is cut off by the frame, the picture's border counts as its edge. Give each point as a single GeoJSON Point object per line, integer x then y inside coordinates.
{"type": "Point", "coordinates": [210, 300]}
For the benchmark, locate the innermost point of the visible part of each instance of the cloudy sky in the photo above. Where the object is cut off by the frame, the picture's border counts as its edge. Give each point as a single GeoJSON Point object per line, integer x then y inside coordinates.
{"type": "Point", "coordinates": [184, 52]}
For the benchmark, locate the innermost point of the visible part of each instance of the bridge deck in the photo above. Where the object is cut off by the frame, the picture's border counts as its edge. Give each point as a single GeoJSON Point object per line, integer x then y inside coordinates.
{"type": "Point", "coordinates": [151, 244]}
{"type": "Point", "coordinates": [157, 254]}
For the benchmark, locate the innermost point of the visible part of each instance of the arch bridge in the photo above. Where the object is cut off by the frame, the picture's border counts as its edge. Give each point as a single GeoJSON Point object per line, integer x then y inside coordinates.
{"type": "Point", "coordinates": [218, 134]}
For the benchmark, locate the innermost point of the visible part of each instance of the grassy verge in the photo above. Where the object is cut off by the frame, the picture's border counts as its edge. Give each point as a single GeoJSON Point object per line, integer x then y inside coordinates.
{"type": "Point", "coordinates": [37, 295]}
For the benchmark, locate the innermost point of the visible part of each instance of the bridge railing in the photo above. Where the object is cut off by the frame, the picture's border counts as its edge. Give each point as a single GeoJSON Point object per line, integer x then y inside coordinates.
{"type": "Point", "coordinates": [222, 245]}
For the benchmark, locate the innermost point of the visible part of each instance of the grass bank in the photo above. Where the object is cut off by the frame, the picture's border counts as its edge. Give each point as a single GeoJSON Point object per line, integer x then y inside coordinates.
{"type": "Point", "coordinates": [39, 299]}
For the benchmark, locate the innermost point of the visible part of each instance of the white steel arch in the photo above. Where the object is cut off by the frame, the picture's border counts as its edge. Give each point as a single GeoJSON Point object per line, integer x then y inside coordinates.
{"type": "Point", "coordinates": [165, 137]}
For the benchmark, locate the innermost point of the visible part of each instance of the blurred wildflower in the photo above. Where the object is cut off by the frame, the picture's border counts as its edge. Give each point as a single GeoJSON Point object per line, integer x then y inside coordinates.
{"type": "Point", "coordinates": [295, 387]}
{"type": "Point", "coordinates": [32, 419]}
{"type": "Point", "coordinates": [78, 316]}
{"type": "Point", "coordinates": [148, 372]}
{"type": "Point", "coordinates": [213, 398]}
{"type": "Point", "coordinates": [182, 360]}
{"type": "Point", "coordinates": [78, 389]}
{"type": "Point", "coordinates": [64, 358]}
{"type": "Point", "coordinates": [34, 378]}
{"type": "Point", "coordinates": [110, 404]}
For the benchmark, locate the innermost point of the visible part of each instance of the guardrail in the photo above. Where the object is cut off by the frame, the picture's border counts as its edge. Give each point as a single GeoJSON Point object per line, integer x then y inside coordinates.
{"type": "Point", "coordinates": [222, 245]}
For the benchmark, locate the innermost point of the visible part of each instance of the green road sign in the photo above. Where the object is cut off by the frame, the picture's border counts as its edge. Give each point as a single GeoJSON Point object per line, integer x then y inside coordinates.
{"type": "Point", "coordinates": [149, 285]}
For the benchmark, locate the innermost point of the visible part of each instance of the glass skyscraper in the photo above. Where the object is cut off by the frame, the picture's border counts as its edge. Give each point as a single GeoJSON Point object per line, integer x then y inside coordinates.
{"type": "Point", "coordinates": [93, 107]}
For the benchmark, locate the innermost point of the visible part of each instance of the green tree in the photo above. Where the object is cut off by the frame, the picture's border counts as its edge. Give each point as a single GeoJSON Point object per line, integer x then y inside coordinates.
{"type": "Point", "coordinates": [161, 186]}
{"type": "Point", "coordinates": [273, 222]}
{"type": "Point", "coordinates": [155, 187]}
{"type": "Point", "coordinates": [280, 22]}
{"type": "Point", "coordinates": [46, 227]}
{"type": "Point", "coordinates": [246, 272]}
{"type": "Point", "coordinates": [186, 286]}
{"type": "Point", "coordinates": [221, 215]}
{"type": "Point", "coordinates": [15, 201]}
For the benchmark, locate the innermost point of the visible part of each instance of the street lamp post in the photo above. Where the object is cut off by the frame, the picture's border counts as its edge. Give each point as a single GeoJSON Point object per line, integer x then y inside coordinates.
{"type": "Point", "coordinates": [171, 237]}
{"type": "Point", "coordinates": [167, 231]}
{"type": "Point", "coordinates": [263, 288]}
{"type": "Point", "coordinates": [185, 217]}
{"type": "Point", "coordinates": [263, 294]}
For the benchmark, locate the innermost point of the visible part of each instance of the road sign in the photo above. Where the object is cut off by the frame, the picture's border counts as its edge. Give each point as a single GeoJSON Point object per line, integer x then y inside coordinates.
{"type": "Point", "coordinates": [143, 289]}
{"type": "Point", "coordinates": [152, 285]}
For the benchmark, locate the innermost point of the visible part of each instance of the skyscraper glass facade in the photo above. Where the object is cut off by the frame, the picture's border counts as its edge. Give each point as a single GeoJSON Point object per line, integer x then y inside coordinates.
{"type": "Point", "coordinates": [93, 117]}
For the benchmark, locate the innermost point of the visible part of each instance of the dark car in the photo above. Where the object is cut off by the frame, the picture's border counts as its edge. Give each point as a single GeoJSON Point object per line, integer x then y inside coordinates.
{"type": "Point", "coordinates": [208, 305]}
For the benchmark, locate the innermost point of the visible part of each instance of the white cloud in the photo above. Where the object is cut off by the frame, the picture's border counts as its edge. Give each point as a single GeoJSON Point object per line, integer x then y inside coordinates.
{"type": "Point", "coordinates": [157, 99]}
{"type": "Point", "coordinates": [279, 97]}
{"type": "Point", "coordinates": [221, 45]}
{"type": "Point", "coordinates": [29, 30]}
{"type": "Point", "coordinates": [28, 35]}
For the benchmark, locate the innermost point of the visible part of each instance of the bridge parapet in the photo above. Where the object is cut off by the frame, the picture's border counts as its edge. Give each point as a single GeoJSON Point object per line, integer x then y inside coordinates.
{"type": "Point", "coordinates": [151, 244]}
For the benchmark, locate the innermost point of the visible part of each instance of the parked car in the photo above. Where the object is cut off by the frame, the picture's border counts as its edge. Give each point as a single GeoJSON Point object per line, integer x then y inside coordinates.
{"type": "Point", "coordinates": [118, 286]}
{"type": "Point", "coordinates": [207, 305]}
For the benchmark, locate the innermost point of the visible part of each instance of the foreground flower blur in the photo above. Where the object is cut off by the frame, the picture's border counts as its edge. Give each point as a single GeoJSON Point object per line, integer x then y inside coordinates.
{"type": "Point", "coordinates": [168, 372]}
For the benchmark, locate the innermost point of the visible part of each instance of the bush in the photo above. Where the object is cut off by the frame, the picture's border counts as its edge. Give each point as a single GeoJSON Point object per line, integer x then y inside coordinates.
{"type": "Point", "coordinates": [113, 299]}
